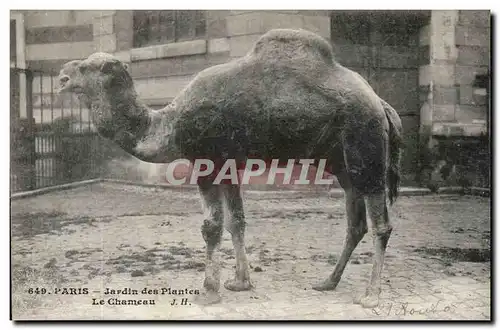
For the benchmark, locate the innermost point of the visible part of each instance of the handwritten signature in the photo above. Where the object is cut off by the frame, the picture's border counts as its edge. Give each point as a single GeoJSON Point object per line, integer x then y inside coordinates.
{"type": "Point", "coordinates": [402, 309]}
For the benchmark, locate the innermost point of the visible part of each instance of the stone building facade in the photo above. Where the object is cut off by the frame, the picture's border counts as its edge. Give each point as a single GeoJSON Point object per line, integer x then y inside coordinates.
{"type": "Point", "coordinates": [426, 64]}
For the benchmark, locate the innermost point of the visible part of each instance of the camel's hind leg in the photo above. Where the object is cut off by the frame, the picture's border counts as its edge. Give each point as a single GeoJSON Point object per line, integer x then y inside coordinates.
{"type": "Point", "coordinates": [377, 209]}
{"type": "Point", "coordinates": [366, 157]}
{"type": "Point", "coordinates": [212, 232]}
{"type": "Point", "coordinates": [356, 229]}
{"type": "Point", "coordinates": [236, 226]}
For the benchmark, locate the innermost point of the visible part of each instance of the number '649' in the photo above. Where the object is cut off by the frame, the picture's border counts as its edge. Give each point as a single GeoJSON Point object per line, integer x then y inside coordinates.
{"type": "Point", "coordinates": [37, 291]}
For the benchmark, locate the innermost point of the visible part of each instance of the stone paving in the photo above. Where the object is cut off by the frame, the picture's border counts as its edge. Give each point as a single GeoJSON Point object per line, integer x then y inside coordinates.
{"type": "Point", "coordinates": [113, 236]}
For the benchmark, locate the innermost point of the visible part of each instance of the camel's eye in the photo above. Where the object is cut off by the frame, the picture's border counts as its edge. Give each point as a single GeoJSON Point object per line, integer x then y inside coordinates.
{"type": "Point", "coordinates": [82, 68]}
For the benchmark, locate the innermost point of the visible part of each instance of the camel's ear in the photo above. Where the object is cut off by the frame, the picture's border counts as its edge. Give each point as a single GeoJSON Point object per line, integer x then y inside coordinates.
{"type": "Point", "coordinates": [111, 66]}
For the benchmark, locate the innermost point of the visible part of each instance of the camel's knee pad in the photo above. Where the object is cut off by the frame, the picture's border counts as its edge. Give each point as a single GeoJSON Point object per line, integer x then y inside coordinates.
{"type": "Point", "coordinates": [211, 231]}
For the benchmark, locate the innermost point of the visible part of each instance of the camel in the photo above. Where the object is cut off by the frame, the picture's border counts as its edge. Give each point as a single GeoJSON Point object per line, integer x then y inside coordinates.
{"type": "Point", "coordinates": [287, 98]}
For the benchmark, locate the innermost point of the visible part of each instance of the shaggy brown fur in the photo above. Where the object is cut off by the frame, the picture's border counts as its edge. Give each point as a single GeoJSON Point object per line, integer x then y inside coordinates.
{"type": "Point", "coordinates": [287, 98]}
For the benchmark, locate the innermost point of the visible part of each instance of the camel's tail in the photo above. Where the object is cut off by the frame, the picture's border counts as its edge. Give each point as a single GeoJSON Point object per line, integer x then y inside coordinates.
{"type": "Point", "coordinates": [395, 150]}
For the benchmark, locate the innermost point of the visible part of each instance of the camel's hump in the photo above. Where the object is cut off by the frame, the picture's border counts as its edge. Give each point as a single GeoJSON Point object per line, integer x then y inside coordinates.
{"type": "Point", "coordinates": [292, 43]}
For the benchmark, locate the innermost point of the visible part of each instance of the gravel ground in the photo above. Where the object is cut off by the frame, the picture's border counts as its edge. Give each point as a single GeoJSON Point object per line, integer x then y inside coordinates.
{"type": "Point", "coordinates": [114, 236]}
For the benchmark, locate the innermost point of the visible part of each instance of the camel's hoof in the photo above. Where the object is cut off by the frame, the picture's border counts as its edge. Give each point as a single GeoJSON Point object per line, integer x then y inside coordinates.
{"type": "Point", "coordinates": [208, 298]}
{"type": "Point", "coordinates": [237, 285]}
{"type": "Point", "coordinates": [325, 286]}
{"type": "Point", "coordinates": [367, 300]}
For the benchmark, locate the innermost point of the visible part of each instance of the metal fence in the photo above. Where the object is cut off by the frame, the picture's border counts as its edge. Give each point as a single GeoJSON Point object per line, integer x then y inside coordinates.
{"type": "Point", "coordinates": [52, 138]}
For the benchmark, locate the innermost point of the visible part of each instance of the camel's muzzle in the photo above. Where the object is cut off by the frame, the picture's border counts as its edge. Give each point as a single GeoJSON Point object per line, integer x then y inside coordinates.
{"type": "Point", "coordinates": [65, 85]}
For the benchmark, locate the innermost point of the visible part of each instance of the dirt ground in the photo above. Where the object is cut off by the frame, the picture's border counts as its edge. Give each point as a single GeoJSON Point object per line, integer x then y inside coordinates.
{"type": "Point", "coordinates": [114, 236]}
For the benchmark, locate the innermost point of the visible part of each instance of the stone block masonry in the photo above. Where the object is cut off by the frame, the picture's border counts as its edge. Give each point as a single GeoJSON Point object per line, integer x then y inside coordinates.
{"type": "Point", "coordinates": [458, 44]}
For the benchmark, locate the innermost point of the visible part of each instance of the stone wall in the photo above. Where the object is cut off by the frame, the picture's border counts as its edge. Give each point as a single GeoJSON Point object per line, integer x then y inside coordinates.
{"type": "Point", "coordinates": [454, 113]}
{"type": "Point", "coordinates": [457, 46]}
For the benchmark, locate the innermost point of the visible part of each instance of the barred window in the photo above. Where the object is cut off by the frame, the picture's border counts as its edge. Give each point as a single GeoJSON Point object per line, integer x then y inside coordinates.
{"type": "Point", "coordinates": [155, 27]}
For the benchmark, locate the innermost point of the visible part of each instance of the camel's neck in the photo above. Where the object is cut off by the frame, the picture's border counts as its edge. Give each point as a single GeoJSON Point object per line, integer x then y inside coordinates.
{"type": "Point", "coordinates": [133, 126]}
{"type": "Point", "coordinates": [158, 143]}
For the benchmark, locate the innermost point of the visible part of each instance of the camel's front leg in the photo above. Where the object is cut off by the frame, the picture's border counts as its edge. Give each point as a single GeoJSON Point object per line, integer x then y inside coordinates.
{"type": "Point", "coordinates": [212, 231]}
{"type": "Point", "coordinates": [236, 226]}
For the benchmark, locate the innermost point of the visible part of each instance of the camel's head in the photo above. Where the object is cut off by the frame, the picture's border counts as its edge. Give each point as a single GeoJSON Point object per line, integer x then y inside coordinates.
{"type": "Point", "coordinates": [97, 76]}
{"type": "Point", "coordinates": [67, 78]}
